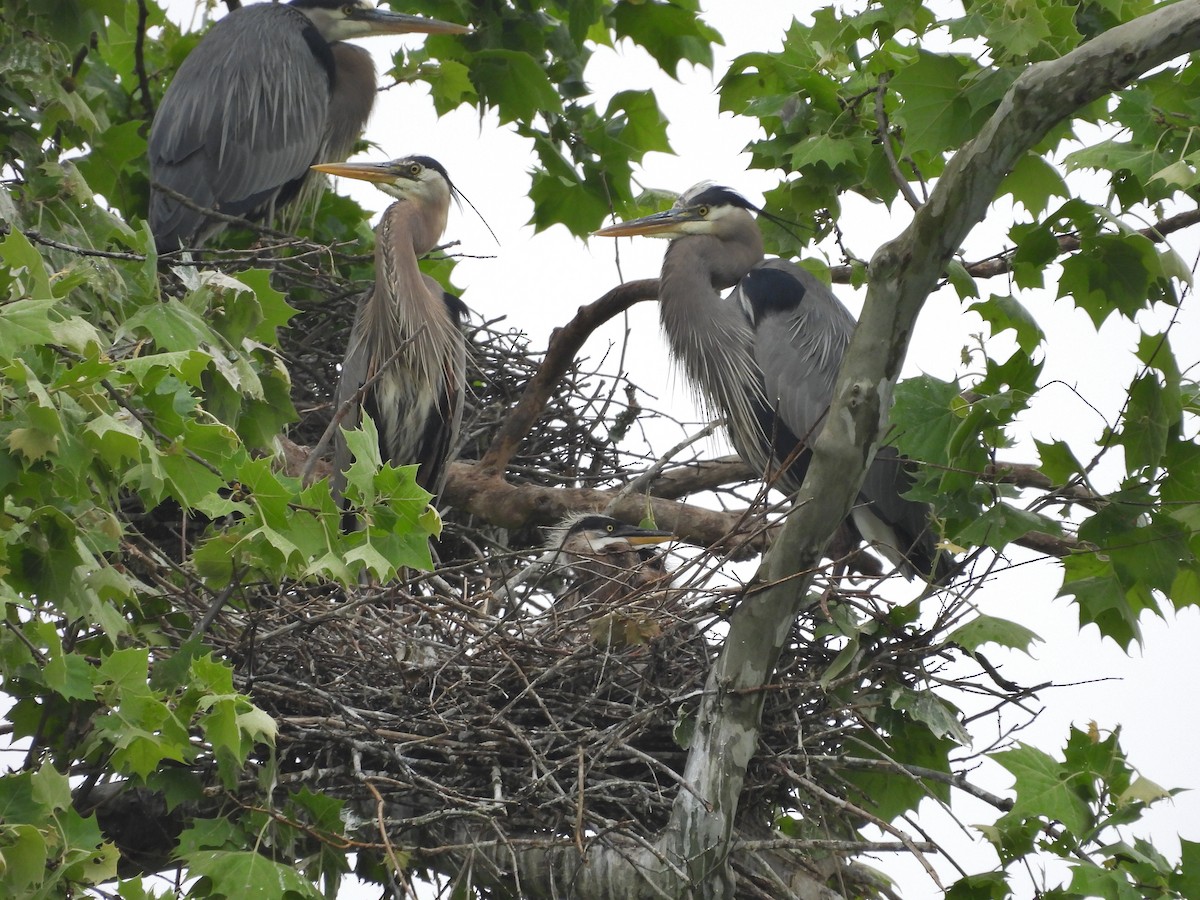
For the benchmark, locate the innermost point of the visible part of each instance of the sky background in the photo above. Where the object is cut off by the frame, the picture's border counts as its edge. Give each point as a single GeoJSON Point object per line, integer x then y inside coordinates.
{"type": "Point", "coordinates": [538, 281]}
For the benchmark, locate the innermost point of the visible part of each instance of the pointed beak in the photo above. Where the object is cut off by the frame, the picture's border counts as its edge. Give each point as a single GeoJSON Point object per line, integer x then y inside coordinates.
{"type": "Point", "coordinates": [380, 173]}
{"type": "Point", "coordinates": [383, 21]}
{"type": "Point", "coordinates": [669, 222]}
{"type": "Point", "coordinates": [641, 536]}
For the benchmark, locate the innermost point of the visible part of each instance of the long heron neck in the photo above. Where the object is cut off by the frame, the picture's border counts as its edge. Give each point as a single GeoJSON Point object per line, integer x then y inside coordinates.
{"type": "Point", "coordinates": [710, 336]}
{"type": "Point", "coordinates": [351, 98]}
{"type": "Point", "coordinates": [412, 303]}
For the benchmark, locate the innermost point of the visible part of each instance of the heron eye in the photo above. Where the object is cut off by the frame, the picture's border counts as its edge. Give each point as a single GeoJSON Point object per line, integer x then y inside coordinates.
{"type": "Point", "coordinates": [350, 8]}
{"type": "Point", "coordinates": [415, 169]}
{"type": "Point", "coordinates": [702, 212]}
{"type": "Point", "coordinates": [609, 528]}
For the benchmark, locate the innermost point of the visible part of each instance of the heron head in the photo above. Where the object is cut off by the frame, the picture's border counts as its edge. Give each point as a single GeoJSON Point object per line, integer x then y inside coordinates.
{"type": "Point", "coordinates": [418, 178]}
{"type": "Point", "coordinates": [589, 534]}
{"type": "Point", "coordinates": [339, 20]}
{"type": "Point", "coordinates": [704, 208]}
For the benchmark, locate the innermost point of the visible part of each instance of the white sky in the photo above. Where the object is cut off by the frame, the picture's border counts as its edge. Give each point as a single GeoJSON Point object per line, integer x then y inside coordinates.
{"type": "Point", "coordinates": [539, 281]}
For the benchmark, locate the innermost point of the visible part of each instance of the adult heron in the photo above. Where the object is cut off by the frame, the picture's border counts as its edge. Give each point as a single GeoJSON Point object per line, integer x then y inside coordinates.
{"type": "Point", "coordinates": [405, 364]}
{"type": "Point", "coordinates": [766, 359]}
{"type": "Point", "coordinates": [607, 561]}
{"type": "Point", "coordinates": [270, 90]}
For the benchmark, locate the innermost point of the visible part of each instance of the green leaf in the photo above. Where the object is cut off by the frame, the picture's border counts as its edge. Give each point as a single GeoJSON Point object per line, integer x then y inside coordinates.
{"type": "Point", "coordinates": [24, 324]}
{"type": "Point", "coordinates": [962, 280]}
{"type": "Point", "coordinates": [670, 33]}
{"type": "Point", "coordinates": [25, 857]}
{"type": "Point", "coordinates": [1058, 461]}
{"type": "Point", "coordinates": [1036, 248]}
{"type": "Point", "coordinates": [644, 127]}
{"type": "Point", "coordinates": [1043, 789]}
{"type": "Point", "coordinates": [1088, 880]}
{"type": "Point", "coordinates": [1115, 273]}
{"type": "Point", "coordinates": [70, 675]}
{"type": "Point", "coordinates": [26, 265]}
{"type": "Point", "coordinates": [984, 886]}
{"type": "Point", "coordinates": [935, 113]}
{"type": "Point", "coordinates": [514, 83]}
{"type": "Point", "coordinates": [1032, 182]}
{"type": "Point", "coordinates": [1102, 598]}
{"type": "Point", "coordinates": [1147, 421]}
{"type": "Point", "coordinates": [1003, 313]}
{"type": "Point", "coordinates": [248, 875]}
{"type": "Point", "coordinates": [1002, 523]}
{"type": "Point", "coordinates": [1187, 881]}
{"type": "Point", "coordinates": [50, 788]}
{"type": "Point", "coordinates": [992, 630]}
{"type": "Point", "coordinates": [939, 717]}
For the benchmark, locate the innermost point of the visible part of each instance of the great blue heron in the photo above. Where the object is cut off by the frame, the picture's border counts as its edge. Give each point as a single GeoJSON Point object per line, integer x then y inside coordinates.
{"type": "Point", "coordinates": [270, 90]}
{"type": "Point", "coordinates": [766, 358]}
{"type": "Point", "coordinates": [406, 344]}
{"type": "Point", "coordinates": [606, 560]}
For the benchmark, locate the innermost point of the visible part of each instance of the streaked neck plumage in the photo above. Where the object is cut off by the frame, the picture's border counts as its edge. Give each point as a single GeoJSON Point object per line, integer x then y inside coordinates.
{"type": "Point", "coordinates": [414, 299]}
{"type": "Point", "coordinates": [710, 336]}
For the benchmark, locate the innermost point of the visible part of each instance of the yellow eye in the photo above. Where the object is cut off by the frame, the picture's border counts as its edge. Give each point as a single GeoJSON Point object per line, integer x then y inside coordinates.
{"type": "Point", "coordinates": [414, 169]}
{"type": "Point", "coordinates": [702, 212]}
{"type": "Point", "coordinates": [350, 8]}
{"type": "Point", "coordinates": [610, 528]}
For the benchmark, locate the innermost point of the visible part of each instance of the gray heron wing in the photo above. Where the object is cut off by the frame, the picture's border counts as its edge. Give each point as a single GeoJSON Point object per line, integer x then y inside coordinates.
{"type": "Point", "coordinates": [800, 334]}
{"type": "Point", "coordinates": [439, 442]}
{"type": "Point", "coordinates": [244, 116]}
{"type": "Point", "coordinates": [801, 331]}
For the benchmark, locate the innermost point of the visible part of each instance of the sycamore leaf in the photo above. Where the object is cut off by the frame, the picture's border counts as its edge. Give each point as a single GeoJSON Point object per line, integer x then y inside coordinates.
{"type": "Point", "coordinates": [670, 33]}
{"type": "Point", "coordinates": [1032, 182]}
{"type": "Point", "coordinates": [935, 114]}
{"type": "Point", "coordinates": [1043, 789]}
{"type": "Point", "coordinates": [248, 875]}
{"type": "Point", "coordinates": [1003, 313]}
{"type": "Point", "coordinates": [992, 630]}
{"type": "Point", "coordinates": [514, 83]}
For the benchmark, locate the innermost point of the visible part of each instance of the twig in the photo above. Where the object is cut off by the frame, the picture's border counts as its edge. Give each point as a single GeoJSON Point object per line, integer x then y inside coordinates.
{"type": "Point", "coordinates": [139, 60]}
{"type": "Point", "coordinates": [642, 482]}
{"type": "Point", "coordinates": [885, 141]}
{"type": "Point", "coordinates": [565, 343]}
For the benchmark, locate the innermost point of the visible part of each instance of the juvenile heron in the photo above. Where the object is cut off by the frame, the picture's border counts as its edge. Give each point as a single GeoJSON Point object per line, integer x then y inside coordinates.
{"type": "Point", "coordinates": [270, 90]}
{"type": "Point", "coordinates": [607, 561]}
{"type": "Point", "coordinates": [766, 358]}
{"type": "Point", "coordinates": [407, 354]}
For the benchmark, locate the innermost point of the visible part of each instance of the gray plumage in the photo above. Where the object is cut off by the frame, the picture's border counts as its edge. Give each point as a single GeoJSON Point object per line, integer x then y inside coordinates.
{"type": "Point", "coordinates": [269, 91]}
{"type": "Point", "coordinates": [409, 324]}
{"type": "Point", "coordinates": [766, 358]}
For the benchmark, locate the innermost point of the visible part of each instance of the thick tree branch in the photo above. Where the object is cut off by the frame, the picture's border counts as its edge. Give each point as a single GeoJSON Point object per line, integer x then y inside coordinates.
{"type": "Point", "coordinates": [902, 275]}
{"type": "Point", "coordinates": [471, 488]}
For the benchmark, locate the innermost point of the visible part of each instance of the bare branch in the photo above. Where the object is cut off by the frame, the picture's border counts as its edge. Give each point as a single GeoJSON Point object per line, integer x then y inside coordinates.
{"type": "Point", "coordinates": [565, 343]}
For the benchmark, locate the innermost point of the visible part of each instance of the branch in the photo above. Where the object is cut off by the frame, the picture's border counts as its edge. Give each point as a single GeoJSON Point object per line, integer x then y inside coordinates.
{"type": "Point", "coordinates": [701, 475]}
{"type": "Point", "coordinates": [139, 56]}
{"type": "Point", "coordinates": [472, 488]}
{"type": "Point", "coordinates": [1001, 263]}
{"type": "Point", "coordinates": [902, 275]}
{"type": "Point", "coordinates": [564, 344]}
{"type": "Point", "coordinates": [885, 142]}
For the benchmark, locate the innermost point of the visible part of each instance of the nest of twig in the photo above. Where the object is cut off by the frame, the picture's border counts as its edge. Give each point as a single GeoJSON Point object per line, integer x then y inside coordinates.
{"type": "Point", "coordinates": [564, 728]}
{"type": "Point", "coordinates": [468, 696]}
